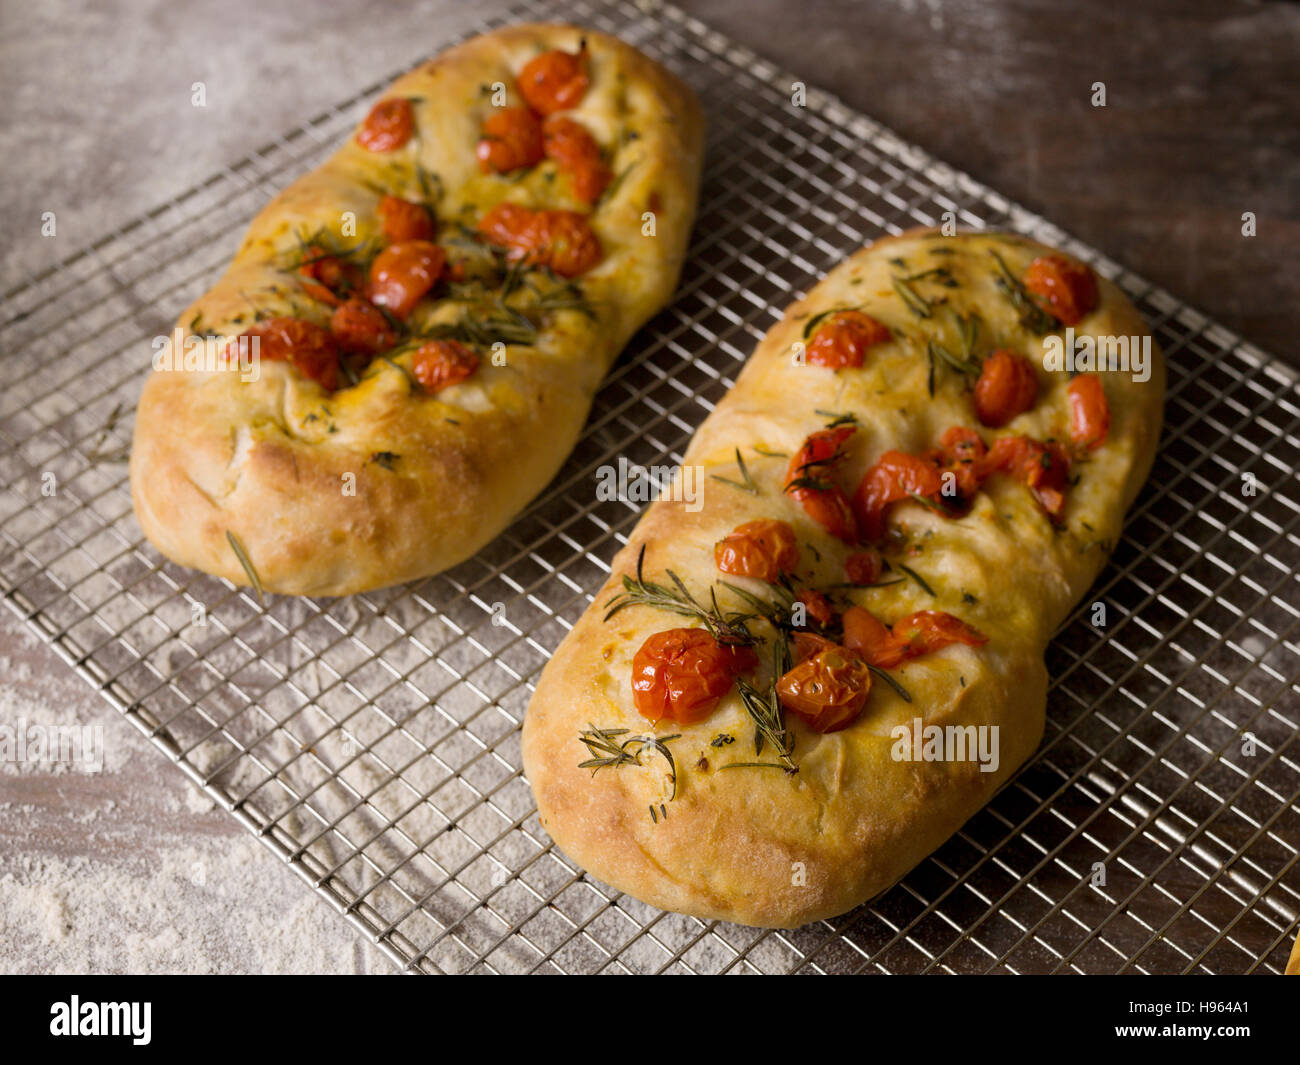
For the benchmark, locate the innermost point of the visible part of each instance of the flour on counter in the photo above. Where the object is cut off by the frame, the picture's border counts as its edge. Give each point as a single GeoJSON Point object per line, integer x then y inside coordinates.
{"type": "Point", "coordinates": [134, 869]}
{"type": "Point", "coordinates": [173, 915]}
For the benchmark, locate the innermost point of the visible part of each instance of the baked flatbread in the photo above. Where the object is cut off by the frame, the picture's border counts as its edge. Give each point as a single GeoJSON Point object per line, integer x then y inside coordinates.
{"type": "Point", "coordinates": [933, 503]}
{"type": "Point", "coordinates": [434, 308]}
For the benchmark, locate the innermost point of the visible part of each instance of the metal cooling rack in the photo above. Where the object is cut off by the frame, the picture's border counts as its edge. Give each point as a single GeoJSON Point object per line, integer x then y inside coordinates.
{"type": "Point", "coordinates": [372, 743]}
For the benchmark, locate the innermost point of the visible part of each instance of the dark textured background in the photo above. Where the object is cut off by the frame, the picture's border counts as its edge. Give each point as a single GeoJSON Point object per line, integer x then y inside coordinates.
{"type": "Point", "coordinates": [1202, 119]}
{"type": "Point", "coordinates": [1202, 122]}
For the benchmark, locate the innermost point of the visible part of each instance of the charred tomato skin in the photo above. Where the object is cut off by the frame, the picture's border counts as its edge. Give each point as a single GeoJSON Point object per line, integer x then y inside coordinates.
{"type": "Point", "coordinates": [682, 674]}
{"type": "Point", "coordinates": [761, 549]}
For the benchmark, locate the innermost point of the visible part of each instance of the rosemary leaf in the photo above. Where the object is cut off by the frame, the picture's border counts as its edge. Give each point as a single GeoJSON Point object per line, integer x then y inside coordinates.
{"type": "Point", "coordinates": [725, 627]}
{"type": "Point", "coordinates": [916, 577]}
{"type": "Point", "coordinates": [928, 503]}
{"type": "Point", "coordinates": [1031, 315]}
{"type": "Point", "coordinates": [759, 765]}
{"type": "Point", "coordinates": [837, 418]}
{"type": "Point", "coordinates": [903, 693]}
{"type": "Point", "coordinates": [816, 320]}
{"type": "Point", "coordinates": [913, 300]}
{"type": "Point", "coordinates": [609, 751]}
{"type": "Point", "coordinates": [244, 561]}
{"type": "Point", "coordinates": [746, 484]}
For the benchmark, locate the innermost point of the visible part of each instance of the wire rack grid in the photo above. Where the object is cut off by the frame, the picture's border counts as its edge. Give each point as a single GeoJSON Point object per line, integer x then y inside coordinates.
{"type": "Point", "coordinates": [373, 742]}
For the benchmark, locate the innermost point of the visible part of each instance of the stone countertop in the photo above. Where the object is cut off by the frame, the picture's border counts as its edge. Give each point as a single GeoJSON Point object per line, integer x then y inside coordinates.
{"type": "Point", "coordinates": [1201, 124]}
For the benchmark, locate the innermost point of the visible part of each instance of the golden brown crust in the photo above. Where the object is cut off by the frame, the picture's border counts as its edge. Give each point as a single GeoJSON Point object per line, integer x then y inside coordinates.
{"type": "Point", "coordinates": [433, 478]}
{"type": "Point", "coordinates": [1293, 963]}
{"type": "Point", "coordinates": [759, 846]}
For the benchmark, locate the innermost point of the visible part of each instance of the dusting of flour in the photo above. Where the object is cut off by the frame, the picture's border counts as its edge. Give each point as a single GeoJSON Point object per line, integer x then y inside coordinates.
{"type": "Point", "coordinates": [198, 910]}
{"type": "Point", "coordinates": [132, 869]}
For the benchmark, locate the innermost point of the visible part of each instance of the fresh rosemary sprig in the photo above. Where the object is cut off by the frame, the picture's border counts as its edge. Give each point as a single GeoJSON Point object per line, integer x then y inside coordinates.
{"type": "Point", "coordinates": [609, 751]}
{"type": "Point", "coordinates": [746, 484]}
{"type": "Point", "coordinates": [965, 361]}
{"type": "Point", "coordinates": [727, 627]}
{"type": "Point", "coordinates": [506, 299]}
{"type": "Point", "coordinates": [775, 612]}
{"type": "Point", "coordinates": [953, 362]}
{"type": "Point", "coordinates": [566, 296]}
{"type": "Point", "coordinates": [765, 710]}
{"type": "Point", "coordinates": [329, 247]}
{"type": "Point", "coordinates": [1031, 315]}
{"type": "Point", "coordinates": [506, 326]}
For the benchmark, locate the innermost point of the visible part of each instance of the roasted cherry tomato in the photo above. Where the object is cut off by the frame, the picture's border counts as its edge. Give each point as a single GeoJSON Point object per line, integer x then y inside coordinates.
{"type": "Point", "coordinates": [403, 220]}
{"type": "Point", "coordinates": [808, 482]}
{"type": "Point", "coordinates": [307, 346]}
{"type": "Point", "coordinates": [895, 477]}
{"type": "Point", "coordinates": [361, 328]}
{"type": "Point", "coordinates": [402, 273]}
{"type": "Point", "coordinates": [1043, 468]}
{"type": "Point", "coordinates": [817, 608]}
{"type": "Point", "coordinates": [555, 81]}
{"type": "Point", "coordinates": [388, 126]}
{"type": "Point", "coordinates": [561, 240]}
{"type": "Point", "coordinates": [864, 567]}
{"type": "Point", "coordinates": [328, 278]}
{"type": "Point", "coordinates": [440, 364]}
{"type": "Point", "coordinates": [762, 549]}
{"type": "Point", "coordinates": [1089, 411]}
{"type": "Point", "coordinates": [1007, 387]}
{"type": "Point", "coordinates": [806, 644]}
{"type": "Point", "coordinates": [841, 342]}
{"type": "Point", "coordinates": [962, 444]}
{"type": "Point", "coordinates": [909, 637]}
{"type": "Point", "coordinates": [578, 156]}
{"type": "Point", "coordinates": [511, 140]}
{"type": "Point", "coordinates": [1065, 288]}
{"type": "Point", "coordinates": [927, 631]}
{"type": "Point", "coordinates": [826, 691]}
{"type": "Point", "coordinates": [961, 453]}
{"type": "Point", "coordinates": [682, 674]}
{"type": "Point", "coordinates": [866, 635]}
